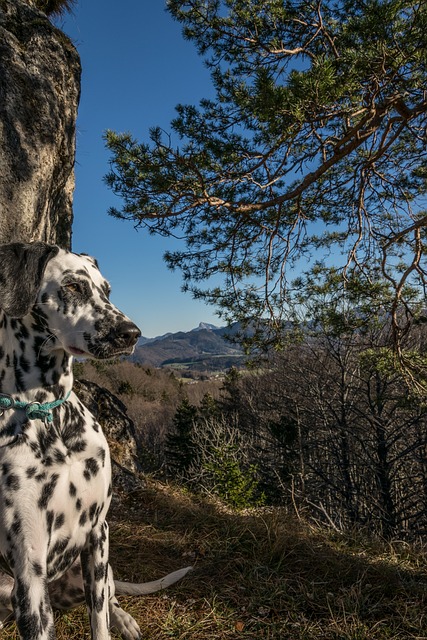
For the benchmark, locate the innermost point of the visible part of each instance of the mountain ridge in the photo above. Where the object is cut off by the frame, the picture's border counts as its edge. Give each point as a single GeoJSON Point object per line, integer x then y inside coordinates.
{"type": "Point", "coordinates": [206, 347]}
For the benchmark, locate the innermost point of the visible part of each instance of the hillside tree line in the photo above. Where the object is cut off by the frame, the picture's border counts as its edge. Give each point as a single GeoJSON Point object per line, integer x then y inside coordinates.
{"type": "Point", "coordinates": [329, 427]}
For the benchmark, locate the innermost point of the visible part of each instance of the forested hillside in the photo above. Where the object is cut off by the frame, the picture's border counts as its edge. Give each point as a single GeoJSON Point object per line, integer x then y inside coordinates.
{"type": "Point", "coordinates": [332, 427]}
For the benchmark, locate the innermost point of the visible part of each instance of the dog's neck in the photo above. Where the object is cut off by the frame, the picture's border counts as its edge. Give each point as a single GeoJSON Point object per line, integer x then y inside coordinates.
{"type": "Point", "coordinates": [32, 370]}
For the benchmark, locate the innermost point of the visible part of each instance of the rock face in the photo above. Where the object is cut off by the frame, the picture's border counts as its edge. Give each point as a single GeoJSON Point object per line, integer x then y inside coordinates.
{"type": "Point", "coordinates": [119, 430]}
{"type": "Point", "coordinates": [39, 95]}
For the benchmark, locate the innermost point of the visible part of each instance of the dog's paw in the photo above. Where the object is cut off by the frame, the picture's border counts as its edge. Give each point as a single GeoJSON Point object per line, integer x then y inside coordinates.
{"type": "Point", "coordinates": [123, 622]}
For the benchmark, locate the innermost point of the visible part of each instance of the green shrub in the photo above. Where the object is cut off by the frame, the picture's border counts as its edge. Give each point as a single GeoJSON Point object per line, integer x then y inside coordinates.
{"type": "Point", "coordinates": [230, 481]}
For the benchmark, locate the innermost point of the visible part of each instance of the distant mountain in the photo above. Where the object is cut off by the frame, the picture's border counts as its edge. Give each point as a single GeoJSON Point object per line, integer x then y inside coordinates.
{"type": "Point", "coordinates": [206, 325]}
{"type": "Point", "coordinates": [205, 348]}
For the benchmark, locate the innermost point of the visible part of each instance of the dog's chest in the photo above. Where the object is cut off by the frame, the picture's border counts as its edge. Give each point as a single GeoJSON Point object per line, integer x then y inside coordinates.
{"type": "Point", "coordinates": [53, 490]}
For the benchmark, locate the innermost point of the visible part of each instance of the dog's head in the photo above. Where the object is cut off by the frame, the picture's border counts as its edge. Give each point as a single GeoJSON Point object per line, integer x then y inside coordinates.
{"type": "Point", "coordinates": [68, 298]}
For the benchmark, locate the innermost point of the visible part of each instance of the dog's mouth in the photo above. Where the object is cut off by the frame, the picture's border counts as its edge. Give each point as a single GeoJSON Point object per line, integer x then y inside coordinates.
{"type": "Point", "coordinates": [120, 340]}
{"type": "Point", "coordinates": [77, 352]}
{"type": "Point", "coordinates": [101, 353]}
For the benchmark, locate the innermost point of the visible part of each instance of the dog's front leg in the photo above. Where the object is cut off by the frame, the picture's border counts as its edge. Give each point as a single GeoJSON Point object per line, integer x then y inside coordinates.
{"type": "Point", "coordinates": [31, 604]}
{"type": "Point", "coordinates": [94, 561]}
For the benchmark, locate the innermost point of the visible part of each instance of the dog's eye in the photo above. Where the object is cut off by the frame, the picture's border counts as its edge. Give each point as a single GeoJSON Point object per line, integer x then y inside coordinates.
{"type": "Point", "coordinates": [73, 287]}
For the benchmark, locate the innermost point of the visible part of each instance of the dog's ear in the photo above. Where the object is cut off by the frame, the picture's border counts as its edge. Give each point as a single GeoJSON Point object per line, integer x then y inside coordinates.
{"type": "Point", "coordinates": [21, 271]}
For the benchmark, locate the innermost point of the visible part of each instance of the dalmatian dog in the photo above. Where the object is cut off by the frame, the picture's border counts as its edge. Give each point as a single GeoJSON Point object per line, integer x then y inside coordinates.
{"type": "Point", "coordinates": [55, 474]}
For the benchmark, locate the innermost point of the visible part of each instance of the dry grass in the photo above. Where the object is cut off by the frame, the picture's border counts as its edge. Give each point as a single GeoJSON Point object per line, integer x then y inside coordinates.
{"type": "Point", "coordinates": [260, 575]}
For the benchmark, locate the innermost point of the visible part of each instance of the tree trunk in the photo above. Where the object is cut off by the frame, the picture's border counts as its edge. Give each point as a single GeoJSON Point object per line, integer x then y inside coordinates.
{"type": "Point", "coordinates": [39, 95]}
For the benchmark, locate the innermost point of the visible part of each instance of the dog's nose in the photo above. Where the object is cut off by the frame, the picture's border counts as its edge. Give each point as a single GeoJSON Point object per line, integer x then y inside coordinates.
{"type": "Point", "coordinates": [127, 332]}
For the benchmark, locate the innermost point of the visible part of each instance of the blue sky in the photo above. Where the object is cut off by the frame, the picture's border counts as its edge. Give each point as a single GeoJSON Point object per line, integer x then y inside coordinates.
{"type": "Point", "coordinates": [136, 68]}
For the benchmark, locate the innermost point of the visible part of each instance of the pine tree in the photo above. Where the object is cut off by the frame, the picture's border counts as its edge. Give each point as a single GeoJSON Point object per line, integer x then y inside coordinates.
{"type": "Point", "coordinates": [180, 451]}
{"type": "Point", "coordinates": [314, 146]}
